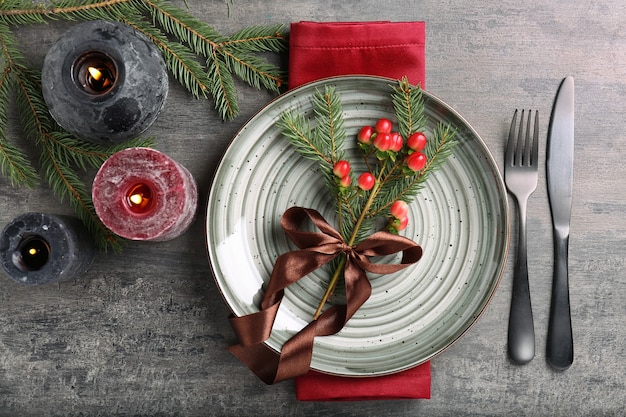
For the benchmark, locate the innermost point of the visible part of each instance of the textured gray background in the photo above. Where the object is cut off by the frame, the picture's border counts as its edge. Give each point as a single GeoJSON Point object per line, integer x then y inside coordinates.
{"type": "Point", "coordinates": [145, 332]}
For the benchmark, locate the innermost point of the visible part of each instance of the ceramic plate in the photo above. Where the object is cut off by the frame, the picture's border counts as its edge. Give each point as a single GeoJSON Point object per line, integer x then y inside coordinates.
{"type": "Point", "coordinates": [459, 218]}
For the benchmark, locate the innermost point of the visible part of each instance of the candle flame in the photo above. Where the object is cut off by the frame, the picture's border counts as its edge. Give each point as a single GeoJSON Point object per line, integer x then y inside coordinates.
{"type": "Point", "coordinates": [136, 199]}
{"type": "Point", "coordinates": [95, 73]}
{"type": "Point", "coordinates": [139, 199]}
{"type": "Point", "coordinates": [32, 251]}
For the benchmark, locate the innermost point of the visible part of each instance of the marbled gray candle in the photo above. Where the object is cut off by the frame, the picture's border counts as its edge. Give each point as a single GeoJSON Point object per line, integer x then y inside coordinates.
{"type": "Point", "coordinates": [104, 82]}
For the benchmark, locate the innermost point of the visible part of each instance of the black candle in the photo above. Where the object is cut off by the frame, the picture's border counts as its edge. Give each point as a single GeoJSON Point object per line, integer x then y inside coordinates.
{"type": "Point", "coordinates": [38, 248]}
{"type": "Point", "coordinates": [104, 81]}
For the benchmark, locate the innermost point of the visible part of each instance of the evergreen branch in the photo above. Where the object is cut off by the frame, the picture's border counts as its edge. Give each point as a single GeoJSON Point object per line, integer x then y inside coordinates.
{"type": "Point", "coordinates": [296, 128]}
{"type": "Point", "coordinates": [15, 166]}
{"type": "Point", "coordinates": [204, 40]}
{"type": "Point", "coordinates": [76, 152]}
{"type": "Point", "coordinates": [329, 135]}
{"type": "Point", "coordinates": [22, 12]}
{"type": "Point", "coordinates": [222, 88]}
{"type": "Point", "coordinates": [200, 37]}
{"type": "Point", "coordinates": [239, 51]}
{"type": "Point", "coordinates": [13, 163]}
{"type": "Point", "coordinates": [438, 150]}
{"type": "Point", "coordinates": [179, 59]}
{"type": "Point", "coordinates": [257, 39]}
{"type": "Point", "coordinates": [330, 132]}
{"type": "Point", "coordinates": [254, 70]}
{"type": "Point", "coordinates": [408, 105]}
{"type": "Point", "coordinates": [398, 170]}
{"type": "Point", "coordinates": [224, 55]}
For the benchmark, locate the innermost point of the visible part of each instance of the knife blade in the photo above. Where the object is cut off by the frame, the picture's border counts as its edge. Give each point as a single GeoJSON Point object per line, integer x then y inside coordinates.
{"type": "Point", "coordinates": [559, 173]}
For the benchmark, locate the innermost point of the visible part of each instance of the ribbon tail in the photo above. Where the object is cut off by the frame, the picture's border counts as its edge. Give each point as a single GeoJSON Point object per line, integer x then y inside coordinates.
{"type": "Point", "coordinates": [291, 266]}
{"type": "Point", "coordinates": [296, 353]}
{"type": "Point", "coordinates": [260, 358]}
{"type": "Point", "coordinates": [254, 329]}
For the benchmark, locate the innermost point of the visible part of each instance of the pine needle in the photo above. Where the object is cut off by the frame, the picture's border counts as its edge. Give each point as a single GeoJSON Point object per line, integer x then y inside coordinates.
{"type": "Point", "coordinates": [13, 162]}
{"type": "Point", "coordinates": [222, 87]}
{"type": "Point", "coordinates": [15, 166]}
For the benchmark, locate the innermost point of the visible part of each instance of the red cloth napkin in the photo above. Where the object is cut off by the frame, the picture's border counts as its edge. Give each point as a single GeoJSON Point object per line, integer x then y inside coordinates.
{"type": "Point", "coordinates": [411, 384]}
{"type": "Point", "coordinates": [388, 49]}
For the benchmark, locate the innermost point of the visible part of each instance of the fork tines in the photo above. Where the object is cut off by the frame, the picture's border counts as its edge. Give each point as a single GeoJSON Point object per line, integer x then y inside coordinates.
{"type": "Point", "coordinates": [521, 149]}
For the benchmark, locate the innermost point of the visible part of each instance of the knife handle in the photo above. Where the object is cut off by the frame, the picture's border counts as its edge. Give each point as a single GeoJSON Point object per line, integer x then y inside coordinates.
{"type": "Point", "coordinates": [521, 337]}
{"type": "Point", "coordinates": [560, 348]}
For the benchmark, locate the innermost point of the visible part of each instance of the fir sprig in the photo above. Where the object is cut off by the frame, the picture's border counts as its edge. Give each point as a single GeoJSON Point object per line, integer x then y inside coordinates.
{"type": "Point", "coordinates": [224, 55]}
{"type": "Point", "coordinates": [395, 180]}
{"type": "Point", "coordinates": [185, 42]}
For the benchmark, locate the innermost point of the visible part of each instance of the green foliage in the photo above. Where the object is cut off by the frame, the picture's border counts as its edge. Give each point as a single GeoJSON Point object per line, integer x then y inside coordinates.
{"type": "Point", "coordinates": [297, 129]}
{"type": "Point", "coordinates": [185, 43]}
{"type": "Point", "coordinates": [409, 108]}
{"type": "Point", "coordinates": [358, 210]}
{"type": "Point", "coordinates": [225, 56]}
{"type": "Point", "coordinates": [330, 132]}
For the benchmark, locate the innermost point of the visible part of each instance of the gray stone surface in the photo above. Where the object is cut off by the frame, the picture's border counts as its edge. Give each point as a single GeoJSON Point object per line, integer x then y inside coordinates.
{"type": "Point", "coordinates": [144, 333]}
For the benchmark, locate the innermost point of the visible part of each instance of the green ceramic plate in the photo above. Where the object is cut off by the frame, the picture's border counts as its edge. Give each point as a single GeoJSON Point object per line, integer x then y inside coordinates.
{"type": "Point", "coordinates": [459, 218]}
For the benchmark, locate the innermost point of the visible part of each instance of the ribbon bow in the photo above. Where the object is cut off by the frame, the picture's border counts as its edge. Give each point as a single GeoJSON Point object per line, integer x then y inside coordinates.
{"type": "Point", "coordinates": [316, 249]}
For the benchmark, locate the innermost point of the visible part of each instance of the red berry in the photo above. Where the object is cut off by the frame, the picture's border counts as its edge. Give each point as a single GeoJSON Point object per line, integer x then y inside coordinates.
{"type": "Point", "coordinates": [416, 161]}
{"type": "Point", "coordinates": [404, 222]}
{"type": "Point", "coordinates": [417, 141]}
{"type": "Point", "coordinates": [383, 126]}
{"type": "Point", "coordinates": [366, 181]}
{"type": "Point", "coordinates": [341, 168]}
{"type": "Point", "coordinates": [345, 181]}
{"type": "Point", "coordinates": [396, 142]}
{"type": "Point", "coordinates": [399, 209]}
{"type": "Point", "coordinates": [383, 141]}
{"type": "Point", "coordinates": [365, 135]}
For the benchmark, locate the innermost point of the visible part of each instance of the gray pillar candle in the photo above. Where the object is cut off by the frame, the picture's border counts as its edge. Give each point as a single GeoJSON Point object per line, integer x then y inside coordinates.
{"type": "Point", "coordinates": [104, 82]}
{"type": "Point", "coordinates": [38, 248]}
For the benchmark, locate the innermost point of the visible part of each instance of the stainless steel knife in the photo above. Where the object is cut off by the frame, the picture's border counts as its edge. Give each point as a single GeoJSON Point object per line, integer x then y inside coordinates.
{"type": "Point", "coordinates": [559, 170]}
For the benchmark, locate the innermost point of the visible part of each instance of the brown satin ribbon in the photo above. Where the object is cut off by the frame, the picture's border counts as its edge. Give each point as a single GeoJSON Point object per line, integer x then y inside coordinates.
{"type": "Point", "coordinates": [316, 249]}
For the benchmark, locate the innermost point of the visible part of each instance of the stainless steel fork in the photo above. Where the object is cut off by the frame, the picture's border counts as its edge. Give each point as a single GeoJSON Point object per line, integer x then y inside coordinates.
{"type": "Point", "coordinates": [520, 175]}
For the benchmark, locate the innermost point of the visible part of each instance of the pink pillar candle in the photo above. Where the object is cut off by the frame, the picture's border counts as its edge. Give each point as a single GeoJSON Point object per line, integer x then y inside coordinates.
{"type": "Point", "coordinates": [142, 194]}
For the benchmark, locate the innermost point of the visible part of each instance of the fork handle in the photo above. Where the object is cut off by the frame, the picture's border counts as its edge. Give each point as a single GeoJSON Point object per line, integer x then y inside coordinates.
{"type": "Point", "coordinates": [560, 348]}
{"type": "Point", "coordinates": [521, 337]}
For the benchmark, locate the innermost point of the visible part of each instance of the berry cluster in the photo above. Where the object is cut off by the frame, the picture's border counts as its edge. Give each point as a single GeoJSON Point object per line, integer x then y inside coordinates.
{"type": "Point", "coordinates": [384, 140]}
{"type": "Point", "coordinates": [380, 140]}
